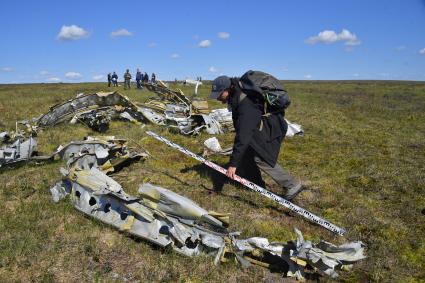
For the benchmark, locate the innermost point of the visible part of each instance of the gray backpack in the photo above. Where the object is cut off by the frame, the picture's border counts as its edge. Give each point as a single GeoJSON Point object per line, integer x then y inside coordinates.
{"type": "Point", "coordinates": [259, 83]}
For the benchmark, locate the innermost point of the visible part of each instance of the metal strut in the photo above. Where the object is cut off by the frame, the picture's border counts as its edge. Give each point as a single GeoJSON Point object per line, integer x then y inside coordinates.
{"type": "Point", "coordinates": [289, 205]}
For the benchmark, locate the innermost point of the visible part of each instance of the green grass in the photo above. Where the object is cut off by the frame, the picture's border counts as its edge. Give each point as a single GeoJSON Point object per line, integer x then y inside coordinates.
{"type": "Point", "coordinates": [363, 151]}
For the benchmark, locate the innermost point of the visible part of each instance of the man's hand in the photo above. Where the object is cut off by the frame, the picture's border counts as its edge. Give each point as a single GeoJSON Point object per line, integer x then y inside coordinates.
{"type": "Point", "coordinates": [231, 172]}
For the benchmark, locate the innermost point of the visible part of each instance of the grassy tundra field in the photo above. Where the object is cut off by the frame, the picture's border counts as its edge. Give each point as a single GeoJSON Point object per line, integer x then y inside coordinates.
{"type": "Point", "coordinates": [363, 153]}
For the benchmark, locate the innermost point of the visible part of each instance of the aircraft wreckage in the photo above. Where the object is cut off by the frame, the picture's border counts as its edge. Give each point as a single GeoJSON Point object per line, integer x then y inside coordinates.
{"type": "Point", "coordinates": [156, 214]}
{"type": "Point", "coordinates": [171, 109]}
{"type": "Point", "coordinates": [170, 220]}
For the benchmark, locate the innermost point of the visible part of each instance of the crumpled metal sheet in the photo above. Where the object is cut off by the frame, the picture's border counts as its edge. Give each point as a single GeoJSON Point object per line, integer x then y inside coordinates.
{"type": "Point", "coordinates": [294, 129]}
{"type": "Point", "coordinates": [4, 136]}
{"type": "Point", "coordinates": [109, 151]}
{"type": "Point", "coordinates": [97, 119]}
{"type": "Point", "coordinates": [98, 195]}
{"type": "Point", "coordinates": [212, 146]}
{"type": "Point", "coordinates": [167, 94]}
{"type": "Point", "coordinates": [153, 116]}
{"type": "Point", "coordinates": [174, 204]}
{"type": "Point", "coordinates": [176, 111]}
{"type": "Point", "coordinates": [328, 257]}
{"type": "Point", "coordinates": [20, 150]}
{"type": "Point", "coordinates": [171, 220]}
{"type": "Point", "coordinates": [94, 110]}
{"type": "Point", "coordinates": [172, 109]}
{"type": "Point", "coordinates": [223, 117]}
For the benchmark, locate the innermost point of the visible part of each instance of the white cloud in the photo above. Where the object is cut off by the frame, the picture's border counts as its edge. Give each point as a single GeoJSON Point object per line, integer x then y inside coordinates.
{"type": "Point", "coordinates": [53, 80]}
{"type": "Point", "coordinates": [349, 38]}
{"type": "Point", "coordinates": [175, 56]}
{"type": "Point", "coordinates": [223, 35]}
{"type": "Point", "coordinates": [73, 75]}
{"type": "Point", "coordinates": [422, 51]}
{"type": "Point", "coordinates": [121, 32]}
{"type": "Point", "coordinates": [204, 43]}
{"type": "Point", "coordinates": [98, 77]}
{"type": "Point", "coordinates": [44, 73]}
{"type": "Point", "coordinates": [152, 44]}
{"type": "Point", "coordinates": [356, 75]}
{"type": "Point", "coordinates": [330, 36]}
{"type": "Point", "coordinates": [212, 69]}
{"type": "Point", "coordinates": [7, 69]}
{"type": "Point", "coordinates": [284, 69]}
{"type": "Point", "coordinates": [72, 32]}
{"type": "Point", "coordinates": [307, 76]}
{"type": "Point", "coordinates": [400, 48]}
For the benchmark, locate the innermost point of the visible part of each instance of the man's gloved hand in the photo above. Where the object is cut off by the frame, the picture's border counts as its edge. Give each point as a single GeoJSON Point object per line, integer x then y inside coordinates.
{"type": "Point", "coordinates": [231, 172]}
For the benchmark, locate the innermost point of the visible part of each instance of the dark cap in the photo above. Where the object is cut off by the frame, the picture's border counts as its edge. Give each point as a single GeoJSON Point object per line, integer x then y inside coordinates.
{"type": "Point", "coordinates": [219, 85]}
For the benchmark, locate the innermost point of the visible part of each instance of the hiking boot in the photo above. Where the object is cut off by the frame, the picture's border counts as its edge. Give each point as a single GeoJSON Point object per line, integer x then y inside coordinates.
{"type": "Point", "coordinates": [293, 192]}
{"type": "Point", "coordinates": [213, 192]}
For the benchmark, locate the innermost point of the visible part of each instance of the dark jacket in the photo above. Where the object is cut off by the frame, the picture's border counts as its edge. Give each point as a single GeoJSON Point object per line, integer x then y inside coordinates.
{"type": "Point", "coordinates": [127, 76]}
{"type": "Point", "coordinates": [139, 76]}
{"type": "Point", "coordinates": [264, 134]}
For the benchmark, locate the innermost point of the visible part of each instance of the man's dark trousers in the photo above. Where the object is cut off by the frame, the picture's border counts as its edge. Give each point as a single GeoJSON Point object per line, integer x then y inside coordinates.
{"type": "Point", "coordinates": [250, 167]}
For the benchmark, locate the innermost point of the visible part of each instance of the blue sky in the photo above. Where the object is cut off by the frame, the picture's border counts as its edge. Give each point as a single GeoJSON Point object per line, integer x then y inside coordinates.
{"type": "Point", "coordinates": [77, 41]}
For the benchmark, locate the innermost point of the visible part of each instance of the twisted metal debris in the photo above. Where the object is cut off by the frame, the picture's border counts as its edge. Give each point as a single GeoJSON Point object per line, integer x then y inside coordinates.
{"type": "Point", "coordinates": [159, 215]}
{"type": "Point", "coordinates": [21, 149]}
{"type": "Point", "coordinates": [170, 109]}
{"type": "Point", "coordinates": [172, 221]}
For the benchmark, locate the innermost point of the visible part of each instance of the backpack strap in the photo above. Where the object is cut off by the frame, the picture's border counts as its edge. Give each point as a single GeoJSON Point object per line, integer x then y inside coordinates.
{"type": "Point", "coordinates": [242, 96]}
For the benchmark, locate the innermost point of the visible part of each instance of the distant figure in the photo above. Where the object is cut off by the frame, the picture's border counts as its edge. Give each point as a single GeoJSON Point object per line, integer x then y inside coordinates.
{"type": "Point", "coordinates": [139, 78]}
{"type": "Point", "coordinates": [153, 78]}
{"type": "Point", "coordinates": [115, 79]}
{"type": "Point", "coordinates": [145, 78]}
{"type": "Point", "coordinates": [127, 78]}
{"type": "Point", "coordinates": [109, 79]}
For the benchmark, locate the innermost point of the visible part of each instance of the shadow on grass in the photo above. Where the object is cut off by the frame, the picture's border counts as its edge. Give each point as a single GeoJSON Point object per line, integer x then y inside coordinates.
{"type": "Point", "coordinates": [219, 180]}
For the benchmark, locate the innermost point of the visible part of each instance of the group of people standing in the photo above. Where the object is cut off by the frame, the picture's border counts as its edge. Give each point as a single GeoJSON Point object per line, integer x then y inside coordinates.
{"type": "Point", "coordinates": [140, 79]}
{"type": "Point", "coordinates": [113, 79]}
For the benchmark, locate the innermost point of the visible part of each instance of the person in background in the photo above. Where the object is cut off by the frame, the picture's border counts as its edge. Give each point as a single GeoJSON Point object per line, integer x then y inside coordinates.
{"type": "Point", "coordinates": [153, 78]}
{"type": "Point", "coordinates": [127, 78]}
{"type": "Point", "coordinates": [115, 79]}
{"type": "Point", "coordinates": [139, 78]}
{"type": "Point", "coordinates": [109, 79]}
{"type": "Point", "coordinates": [145, 78]}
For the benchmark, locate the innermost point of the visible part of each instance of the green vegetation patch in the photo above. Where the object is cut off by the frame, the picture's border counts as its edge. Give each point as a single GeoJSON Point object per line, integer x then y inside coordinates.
{"type": "Point", "coordinates": [363, 153]}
